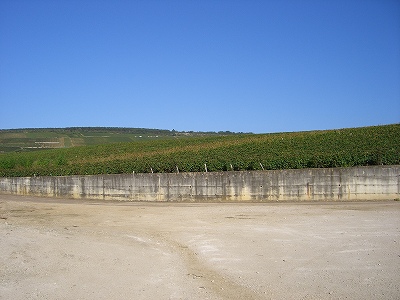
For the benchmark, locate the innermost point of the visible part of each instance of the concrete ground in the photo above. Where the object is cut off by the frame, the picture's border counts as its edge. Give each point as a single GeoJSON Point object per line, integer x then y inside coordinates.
{"type": "Point", "coordinates": [69, 249]}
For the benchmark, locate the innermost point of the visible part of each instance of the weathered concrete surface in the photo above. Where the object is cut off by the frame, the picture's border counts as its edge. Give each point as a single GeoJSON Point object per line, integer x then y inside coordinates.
{"type": "Point", "coordinates": [360, 183]}
{"type": "Point", "coordinates": [60, 249]}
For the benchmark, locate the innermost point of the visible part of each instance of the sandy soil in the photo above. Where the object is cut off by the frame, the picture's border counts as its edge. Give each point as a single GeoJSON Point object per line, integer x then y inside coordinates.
{"type": "Point", "coordinates": [68, 249]}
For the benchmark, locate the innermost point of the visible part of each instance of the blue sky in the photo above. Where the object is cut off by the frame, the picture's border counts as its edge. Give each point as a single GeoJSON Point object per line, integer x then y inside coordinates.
{"type": "Point", "coordinates": [243, 66]}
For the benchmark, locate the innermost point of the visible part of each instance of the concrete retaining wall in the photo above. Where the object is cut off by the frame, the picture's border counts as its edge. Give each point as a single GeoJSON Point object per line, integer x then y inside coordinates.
{"type": "Point", "coordinates": [360, 183]}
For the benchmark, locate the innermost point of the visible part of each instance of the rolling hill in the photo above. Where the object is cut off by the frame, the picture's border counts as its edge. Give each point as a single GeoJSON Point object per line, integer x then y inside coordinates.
{"type": "Point", "coordinates": [186, 152]}
{"type": "Point", "coordinates": [16, 140]}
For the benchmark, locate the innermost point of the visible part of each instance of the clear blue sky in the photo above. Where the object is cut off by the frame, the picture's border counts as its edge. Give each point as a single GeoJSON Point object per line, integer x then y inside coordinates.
{"type": "Point", "coordinates": [205, 65]}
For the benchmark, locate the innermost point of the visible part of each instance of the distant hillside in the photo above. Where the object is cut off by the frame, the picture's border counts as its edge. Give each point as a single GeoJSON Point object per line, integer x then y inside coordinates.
{"type": "Point", "coordinates": [30, 139]}
{"type": "Point", "coordinates": [377, 145]}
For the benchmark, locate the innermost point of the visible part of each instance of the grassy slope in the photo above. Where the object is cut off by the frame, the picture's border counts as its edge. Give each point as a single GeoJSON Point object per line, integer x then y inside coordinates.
{"type": "Point", "coordinates": [332, 148]}
{"type": "Point", "coordinates": [17, 140]}
{"type": "Point", "coordinates": [33, 139]}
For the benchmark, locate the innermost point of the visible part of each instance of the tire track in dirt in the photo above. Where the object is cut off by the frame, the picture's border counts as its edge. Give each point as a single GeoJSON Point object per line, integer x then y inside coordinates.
{"type": "Point", "coordinates": [209, 278]}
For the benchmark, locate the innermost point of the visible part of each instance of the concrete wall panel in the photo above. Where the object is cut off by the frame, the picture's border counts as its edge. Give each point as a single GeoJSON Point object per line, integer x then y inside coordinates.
{"type": "Point", "coordinates": [343, 184]}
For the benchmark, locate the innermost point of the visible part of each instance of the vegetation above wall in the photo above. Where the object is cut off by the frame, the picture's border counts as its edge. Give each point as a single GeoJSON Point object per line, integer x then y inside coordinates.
{"type": "Point", "coordinates": [17, 140]}
{"type": "Point", "coordinates": [375, 145]}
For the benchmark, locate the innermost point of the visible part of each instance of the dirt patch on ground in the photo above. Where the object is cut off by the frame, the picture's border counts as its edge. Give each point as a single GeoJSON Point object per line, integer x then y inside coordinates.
{"type": "Point", "coordinates": [69, 249]}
